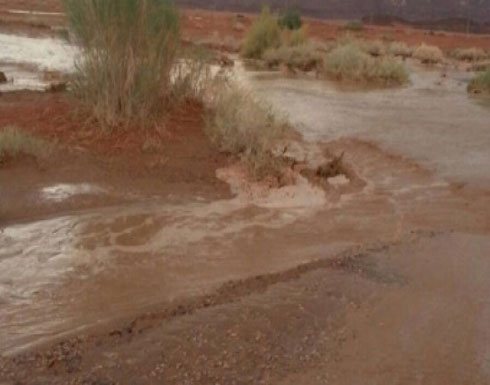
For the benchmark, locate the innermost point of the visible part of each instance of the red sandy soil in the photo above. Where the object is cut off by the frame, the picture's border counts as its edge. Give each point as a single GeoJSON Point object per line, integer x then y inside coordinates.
{"type": "Point", "coordinates": [226, 26]}
{"type": "Point", "coordinates": [175, 158]}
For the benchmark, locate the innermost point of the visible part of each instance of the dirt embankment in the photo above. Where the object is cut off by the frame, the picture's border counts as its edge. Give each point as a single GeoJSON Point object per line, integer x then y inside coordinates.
{"type": "Point", "coordinates": [175, 158]}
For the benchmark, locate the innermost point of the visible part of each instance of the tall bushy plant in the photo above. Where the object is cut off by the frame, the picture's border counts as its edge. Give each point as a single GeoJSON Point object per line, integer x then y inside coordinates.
{"type": "Point", "coordinates": [129, 48]}
{"type": "Point", "coordinates": [265, 33]}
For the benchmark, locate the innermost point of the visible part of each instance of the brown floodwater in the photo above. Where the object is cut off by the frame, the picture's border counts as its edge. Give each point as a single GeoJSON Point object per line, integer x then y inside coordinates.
{"type": "Point", "coordinates": [420, 154]}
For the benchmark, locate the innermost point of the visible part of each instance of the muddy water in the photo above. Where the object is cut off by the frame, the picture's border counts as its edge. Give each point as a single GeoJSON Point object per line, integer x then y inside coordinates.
{"type": "Point", "coordinates": [432, 121]}
{"type": "Point", "coordinates": [62, 275]}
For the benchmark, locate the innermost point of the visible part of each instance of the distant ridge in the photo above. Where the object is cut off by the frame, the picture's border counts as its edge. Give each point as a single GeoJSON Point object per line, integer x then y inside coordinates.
{"type": "Point", "coordinates": [456, 11]}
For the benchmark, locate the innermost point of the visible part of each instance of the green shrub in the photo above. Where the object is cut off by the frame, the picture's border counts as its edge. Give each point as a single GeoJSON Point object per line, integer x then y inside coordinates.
{"type": "Point", "coordinates": [350, 62]}
{"type": "Point", "coordinates": [354, 26]}
{"type": "Point", "coordinates": [265, 33]}
{"type": "Point", "coordinates": [388, 71]}
{"type": "Point", "coordinates": [480, 84]}
{"type": "Point", "coordinates": [129, 49]}
{"type": "Point", "coordinates": [469, 54]}
{"type": "Point", "coordinates": [428, 54]}
{"type": "Point", "coordinates": [13, 143]}
{"type": "Point", "coordinates": [291, 20]}
{"type": "Point", "coordinates": [241, 125]}
{"type": "Point", "coordinates": [346, 62]}
{"type": "Point", "coordinates": [398, 48]}
{"type": "Point", "coordinates": [304, 57]}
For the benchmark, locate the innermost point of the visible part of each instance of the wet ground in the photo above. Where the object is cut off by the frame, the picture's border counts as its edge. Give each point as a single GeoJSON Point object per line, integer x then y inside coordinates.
{"type": "Point", "coordinates": [391, 286]}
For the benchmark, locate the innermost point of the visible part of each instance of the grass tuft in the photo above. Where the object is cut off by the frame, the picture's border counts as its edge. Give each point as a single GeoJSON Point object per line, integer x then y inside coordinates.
{"type": "Point", "coordinates": [374, 48]}
{"type": "Point", "coordinates": [469, 54]}
{"type": "Point", "coordinates": [350, 62]}
{"type": "Point", "coordinates": [14, 142]}
{"type": "Point", "coordinates": [265, 33]}
{"type": "Point", "coordinates": [428, 54]}
{"type": "Point", "coordinates": [480, 84]}
{"type": "Point", "coordinates": [129, 49]}
{"type": "Point", "coordinates": [398, 48]}
{"type": "Point", "coordinates": [304, 57]}
{"type": "Point", "coordinates": [244, 126]}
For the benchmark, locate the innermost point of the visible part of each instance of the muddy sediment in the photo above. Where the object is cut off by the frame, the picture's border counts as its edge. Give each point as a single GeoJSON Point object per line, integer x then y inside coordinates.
{"type": "Point", "coordinates": [148, 267]}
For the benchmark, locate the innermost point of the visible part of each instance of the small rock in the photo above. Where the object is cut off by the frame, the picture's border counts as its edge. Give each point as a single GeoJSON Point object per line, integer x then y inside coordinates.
{"type": "Point", "coordinates": [3, 78]}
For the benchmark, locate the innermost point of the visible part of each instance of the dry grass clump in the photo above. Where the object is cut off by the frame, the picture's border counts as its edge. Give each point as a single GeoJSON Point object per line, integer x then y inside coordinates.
{"type": "Point", "coordinates": [265, 33]}
{"type": "Point", "coordinates": [244, 126]}
{"type": "Point", "coordinates": [374, 48]}
{"type": "Point", "coordinates": [428, 54]}
{"type": "Point", "coordinates": [480, 66]}
{"type": "Point", "coordinates": [293, 37]}
{"type": "Point", "coordinates": [14, 142]}
{"type": "Point", "coordinates": [350, 62]}
{"type": "Point", "coordinates": [469, 54]}
{"type": "Point", "coordinates": [129, 50]}
{"type": "Point", "coordinates": [305, 57]}
{"type": "Point", "coordinates": [398, 48]}
{"type": "Point", "coordinates": [480, 84]}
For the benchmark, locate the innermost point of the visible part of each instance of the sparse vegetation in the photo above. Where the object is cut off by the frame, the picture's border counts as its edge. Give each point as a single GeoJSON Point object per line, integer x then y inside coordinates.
{"type": "Point", "coordinates": [14, 142]}
{"type": "Point", "coordinates": [291, 20]}
{"type": "Point", "coordinates": [294, 38]}
{"type": "Point", "coordinates": [305, 57]}
{"type": "Point", "coordinates": [401, 49]}
{"type": "Point", "coordinates": [265, 33]}
{"type": "Point", "coordinates": [428, 54]}
{"type": "Point", "coordinates": [374, 47]}
{"type": "Point", "coordinates": [241, 125]}
{"type": "Point", "coordinates": [480, 66]}
{"type": "Point", "coordinates": [354, 26]}
{"type": "Point", "coordinates": [480, 84]}
{"type": "Point", "coordinates": [350, 62]}
{"type": "Point", "coordinates": [469, 54]}
{"type": "Point", "coordinates": [129, 50]}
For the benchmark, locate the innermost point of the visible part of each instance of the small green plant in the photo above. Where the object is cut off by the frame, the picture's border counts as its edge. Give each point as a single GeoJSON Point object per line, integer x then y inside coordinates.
{"type": "Point", "coordinates": [428, 54]}
{"type": "Point", "coordinates": [244, 126]}
{"type": "Point", "coordinates": [350, 62]}
{"type": "Point", "coordinates": [291, 20]}
{"type": "Point", "coordinates": [354, 26]}
{"type": "Point", "coordinates": [14, 142]}
{"type": "Point", "coordinates": [265, 33]}
{"type": "Point", "coordinates": [480, 84]}
{"type": "Point", "coordinates": [469, 54]}
{"type": "Point", "coordinates": [129, 49]}
{"type": "Point", "coordinates": [305, 57]}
